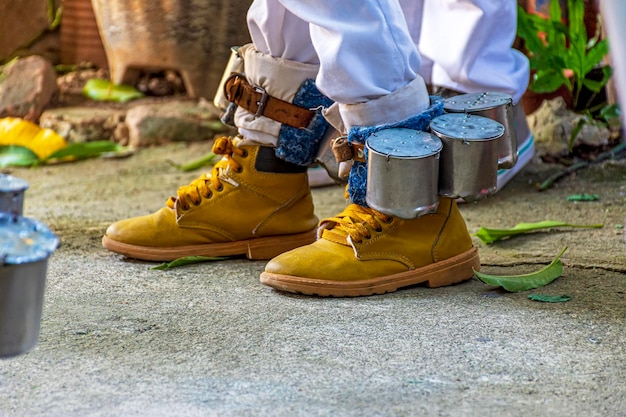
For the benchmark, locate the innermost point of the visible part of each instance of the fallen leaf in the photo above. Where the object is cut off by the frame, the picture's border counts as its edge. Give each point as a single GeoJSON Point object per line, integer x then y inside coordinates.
{"type": "Point", "coordinates": [84, 150]}
{"type": "Point", "coordinates": [525, 282]}
{"type": "Point", "coordinates": [549, 298]}
{"type": "Point", "coordinates": [198, 163]}
{"type": "Point", "coordinates": [487, 235]}
{"type": "Point", "coordinates": [17, 156]}
{"type": "Point", "coordinates": [188, 260]}
{"type": "Point", "coordinates": [583, 197]}
{"type": "Point", "coordinates": [105, 90]}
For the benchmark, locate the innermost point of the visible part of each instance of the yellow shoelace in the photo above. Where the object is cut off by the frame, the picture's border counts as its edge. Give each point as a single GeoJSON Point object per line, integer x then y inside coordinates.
{"type": "Point", "coordinates": [204, 186]}
{"type": "Point", "coordinates": [357, 222]}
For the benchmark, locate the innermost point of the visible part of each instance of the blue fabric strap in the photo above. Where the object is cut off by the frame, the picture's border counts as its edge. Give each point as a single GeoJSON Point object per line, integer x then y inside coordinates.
{"type": "Point", "coordinates": [300, 146]}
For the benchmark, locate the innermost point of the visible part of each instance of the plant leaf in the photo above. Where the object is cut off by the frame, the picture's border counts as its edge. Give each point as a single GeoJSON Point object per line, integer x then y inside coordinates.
{"type": "Point", "coordinates": [84, 150]}
{"type": "Point", "coordinates": [525, 282]}
{"type": "Point", "coordinates": [549, 298]}
{"type": "Point", "coordinates": [576, 131]}
{"type": "Point", "coordinates": [491, 235]}
{"type": "Point", "coordinates": [188, 260]}
{"type": "Point", "coordinates": [17, 156]}
{"type": "Point", "coordinates": [198, 163]}
{"type": "Point", "coordinates": [583, 197]}
{"type": "Point", "coordinates": [105, 90]}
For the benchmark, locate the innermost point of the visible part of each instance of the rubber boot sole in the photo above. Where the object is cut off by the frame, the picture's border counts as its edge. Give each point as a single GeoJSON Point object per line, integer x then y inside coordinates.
{"type": "Point", "coordinates": [447, 272]}
{"type": "Point", "coordinates": [262, 248]}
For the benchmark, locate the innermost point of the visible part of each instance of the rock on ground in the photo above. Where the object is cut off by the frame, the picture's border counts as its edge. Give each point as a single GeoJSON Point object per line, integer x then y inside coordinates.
{"type": "Point", "coordinates": [553, 123]}
{"type": "Point", "coordinates": [28, 86]}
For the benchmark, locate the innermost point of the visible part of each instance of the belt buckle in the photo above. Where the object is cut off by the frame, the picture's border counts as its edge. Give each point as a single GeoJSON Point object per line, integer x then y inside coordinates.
{"type": "Point", "coordinates": [262, 101]}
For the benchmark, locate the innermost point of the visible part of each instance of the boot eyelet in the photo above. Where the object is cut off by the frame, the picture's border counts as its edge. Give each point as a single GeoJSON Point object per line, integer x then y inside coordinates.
{"type": "Point", "coordinates": [239, 170]}
{"type": "Point", "coordinates": [389, 220]}
{"type": "Point", "coordinates": [378, 230]}
{"type": "Point", "coordinates": [244, 154]}
{"type": "Point", "coordinates": [220, 188]}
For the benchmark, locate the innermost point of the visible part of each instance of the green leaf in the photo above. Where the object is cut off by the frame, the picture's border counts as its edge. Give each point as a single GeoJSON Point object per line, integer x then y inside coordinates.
{"type": "Point", "coordinates": [17, 156]}
{"type": "Point", "coordinates": [576, 131]}
{"type": "Point", "coordinates": [583, 197]}
{"type": "Point", "coordinates": [525, 282]}
{"type": "Point", "coordinates": [188, 260]}
{"type": "Point", "coordinates": [84, 150]}
{"type": "Point", "coordinates": [207, 159]}
{"type": "Point", "coordinates": [548, 81]}
{"type": "Point", "coordinates": [610, 112]}
{"type": "Point", "coordinates": [491, 235]}
{"type": "Point", "coordinates": [104, 90]}
{"type": "Point", "coordinates": [595, 55]}
{"type": "Point", "coordinates": [549, 298]}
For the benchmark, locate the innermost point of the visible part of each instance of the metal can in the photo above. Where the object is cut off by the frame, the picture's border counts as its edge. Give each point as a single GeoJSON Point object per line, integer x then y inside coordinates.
{"type": "Point", "coordinates": [496, 106]}
{"type": "Point", "coordinates": [12, 194]}
{"type": "Point", "coordinates": [469, 160]}
{"type": "Point", "coordinates": [402, 172]}
{"type": "Point", "coordinates": [25, 246]}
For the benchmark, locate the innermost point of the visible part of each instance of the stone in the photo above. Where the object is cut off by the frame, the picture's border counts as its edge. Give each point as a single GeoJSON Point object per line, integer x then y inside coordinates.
{"type": "Point", "coordinates": [171, 121]}
{"type": "Point", "coordinates": [28, 86]}
{"type": "Point", "coordinates": [84, 124]}
{"type": "Point", "coordinates": [21, 21]}
{"type": "Point", "coordinates": [552, 125]}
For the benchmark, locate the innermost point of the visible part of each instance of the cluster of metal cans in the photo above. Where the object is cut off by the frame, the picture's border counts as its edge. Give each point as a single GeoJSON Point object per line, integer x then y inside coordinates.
{"type": "Point", "coordinates": [408, 170]}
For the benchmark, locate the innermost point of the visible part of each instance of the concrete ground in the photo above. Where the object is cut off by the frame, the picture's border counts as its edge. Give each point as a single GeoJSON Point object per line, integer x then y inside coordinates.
{"type": "Point", "coordinates": [121, 339]}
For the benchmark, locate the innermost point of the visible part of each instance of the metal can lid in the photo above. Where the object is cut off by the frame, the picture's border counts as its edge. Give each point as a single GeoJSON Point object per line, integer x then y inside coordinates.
{"type": "Point", "coordinates": [466, 127]}
{"type": "Point", "coordinates": [10, 184]}
{"type": "Point", "coordinates": [404, 143]}
{"type": "Point", "coordinates": [474, 102]}
{"type": "Point", "coordinates": [24, 240]}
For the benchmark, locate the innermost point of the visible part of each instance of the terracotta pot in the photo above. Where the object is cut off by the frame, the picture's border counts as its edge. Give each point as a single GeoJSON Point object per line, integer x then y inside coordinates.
{"type": "Point", "coordinates": [192, 37]}
{"type": "Point", "coordinates": [80, 38]}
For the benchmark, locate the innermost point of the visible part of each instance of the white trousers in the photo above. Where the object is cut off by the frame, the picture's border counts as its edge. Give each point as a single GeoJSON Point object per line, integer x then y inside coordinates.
{"type": "Point", "coordinates": [368, 48]}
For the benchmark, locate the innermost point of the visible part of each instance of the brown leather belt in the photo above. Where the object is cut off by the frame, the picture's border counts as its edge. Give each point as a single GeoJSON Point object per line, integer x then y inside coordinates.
{"type": "Point", "coordinates": [256, 100]}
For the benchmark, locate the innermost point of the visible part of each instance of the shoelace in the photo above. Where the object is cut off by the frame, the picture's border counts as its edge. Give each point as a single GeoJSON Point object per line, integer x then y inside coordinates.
{"type": "Point", "coordinates": [204, 186]}
{"type": "Point", "coordinates": [354, 221]}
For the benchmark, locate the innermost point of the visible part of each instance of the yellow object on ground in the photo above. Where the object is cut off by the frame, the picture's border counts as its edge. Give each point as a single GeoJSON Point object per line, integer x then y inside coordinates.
{"type": "Point", "coordinates": [20, 132]}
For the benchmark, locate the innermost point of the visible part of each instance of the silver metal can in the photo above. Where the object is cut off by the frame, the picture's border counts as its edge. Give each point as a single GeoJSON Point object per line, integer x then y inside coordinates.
{"type": "Point", "coordinates": [496, 106]}
{"type": "Point", "coordinates": [468, 168]}
{"type": "Point", "coordinates": [25, 247]}
{"type": "Point", "coordinates": [12, 194]}
{"type": "Point", "coordinates": [402, 172]}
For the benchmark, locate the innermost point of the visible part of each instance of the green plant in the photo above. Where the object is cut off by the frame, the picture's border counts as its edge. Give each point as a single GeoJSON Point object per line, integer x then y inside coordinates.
{"type": "Point", "coordinates": [561, 54]}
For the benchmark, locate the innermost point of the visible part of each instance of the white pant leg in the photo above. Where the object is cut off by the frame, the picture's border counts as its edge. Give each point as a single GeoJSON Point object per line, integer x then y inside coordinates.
{"type": "Point", "coordinates": [363, 46]}
{"type": "Point", "coordinates": [275, 31]}
{"type": "Point", "coordinates": [470, 44]}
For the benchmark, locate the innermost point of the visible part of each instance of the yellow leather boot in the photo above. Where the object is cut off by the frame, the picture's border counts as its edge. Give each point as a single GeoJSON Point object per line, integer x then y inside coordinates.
{"type": "Point", "coordinates": [365, 252]}
{"type": "Point", "coordinates": [252, 204]}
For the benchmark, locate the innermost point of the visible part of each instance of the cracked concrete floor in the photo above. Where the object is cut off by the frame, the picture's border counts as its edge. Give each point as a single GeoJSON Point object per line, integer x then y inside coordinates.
{"type": "Point", "coordinates": [118, 338]}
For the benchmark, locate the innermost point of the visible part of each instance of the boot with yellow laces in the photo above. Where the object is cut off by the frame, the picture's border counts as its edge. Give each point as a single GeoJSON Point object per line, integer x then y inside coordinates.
{"type": "Point", "coordinates": [252, 204]}
{"type": "Point", "coordinates": [256, 201]}
{"type": "Point", "coordinates": [363, 251]}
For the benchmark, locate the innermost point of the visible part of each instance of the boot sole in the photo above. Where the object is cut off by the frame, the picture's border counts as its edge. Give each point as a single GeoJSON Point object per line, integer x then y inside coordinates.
{"type": "Point", "coordinates": [448, 272]}
{"type": "Point", "coordinates": [262, 248]}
